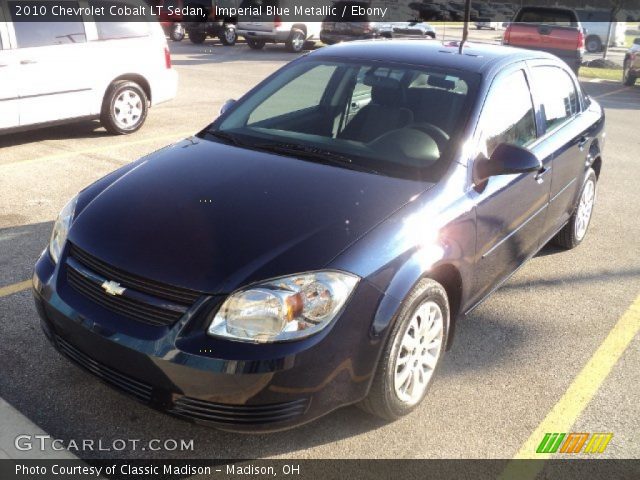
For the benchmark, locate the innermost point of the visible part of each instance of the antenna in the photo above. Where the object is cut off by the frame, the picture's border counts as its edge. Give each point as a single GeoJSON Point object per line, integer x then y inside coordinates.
{"type": "Point", "coordinates": [465, 28]}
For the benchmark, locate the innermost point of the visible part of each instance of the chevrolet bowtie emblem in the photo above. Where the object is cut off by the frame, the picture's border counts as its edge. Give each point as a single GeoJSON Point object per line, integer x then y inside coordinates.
{"type": "Point", "coordinates": [113, 288]}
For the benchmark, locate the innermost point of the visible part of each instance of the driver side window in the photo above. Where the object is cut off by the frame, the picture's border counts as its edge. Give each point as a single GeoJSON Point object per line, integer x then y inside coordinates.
{"type": "Point", "coordinates": [508, 115]}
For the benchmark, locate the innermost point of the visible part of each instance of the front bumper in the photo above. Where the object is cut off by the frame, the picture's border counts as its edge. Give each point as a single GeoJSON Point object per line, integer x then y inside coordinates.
{"type": "Point", "coordinates": [233, 386]}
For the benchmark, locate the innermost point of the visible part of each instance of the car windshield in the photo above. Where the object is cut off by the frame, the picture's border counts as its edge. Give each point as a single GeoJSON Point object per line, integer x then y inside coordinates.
{"type": "Point", "coordinates": [386, 118]}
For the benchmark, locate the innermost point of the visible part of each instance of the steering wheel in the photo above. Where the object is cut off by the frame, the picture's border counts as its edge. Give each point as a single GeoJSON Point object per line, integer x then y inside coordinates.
{"type": "Point", "coordinates": [439, 135]}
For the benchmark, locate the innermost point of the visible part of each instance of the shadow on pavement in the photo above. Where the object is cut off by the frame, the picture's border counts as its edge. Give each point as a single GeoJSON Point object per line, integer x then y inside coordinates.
{"type": "Point", "coordinates": [76, 129]}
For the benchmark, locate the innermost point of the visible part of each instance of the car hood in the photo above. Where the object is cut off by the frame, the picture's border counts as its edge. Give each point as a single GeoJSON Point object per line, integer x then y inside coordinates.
{"type": "Point", "coordinates": [212, 217]}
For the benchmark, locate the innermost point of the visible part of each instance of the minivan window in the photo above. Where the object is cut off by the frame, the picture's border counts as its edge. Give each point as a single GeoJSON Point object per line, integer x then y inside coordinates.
{"type": "Point", "coordinates": [557, 93]}
{"type": "Point", "coordinates": [112, 30]}
{"type": "Point", "coordinates": [44, 33]}
{"type": "Point", "coordinates": [508, 116]}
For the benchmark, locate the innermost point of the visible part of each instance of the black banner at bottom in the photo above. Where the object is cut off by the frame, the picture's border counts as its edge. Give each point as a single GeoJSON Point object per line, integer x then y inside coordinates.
{"type": "Point", "coordinates": [320, 469]}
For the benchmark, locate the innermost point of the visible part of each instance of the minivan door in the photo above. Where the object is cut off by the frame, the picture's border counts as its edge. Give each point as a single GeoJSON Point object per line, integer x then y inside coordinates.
{"type": "Point", "coordinates": [510, 209]}
{"type": "Point", "coordinates": [53, 67]}
{"type": "Point", "coordinates": [9, 106]}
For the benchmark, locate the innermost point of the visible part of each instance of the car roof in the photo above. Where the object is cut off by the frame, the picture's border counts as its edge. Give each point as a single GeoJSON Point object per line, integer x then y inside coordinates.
{"type": "Point", "coordinates": [475, 57]}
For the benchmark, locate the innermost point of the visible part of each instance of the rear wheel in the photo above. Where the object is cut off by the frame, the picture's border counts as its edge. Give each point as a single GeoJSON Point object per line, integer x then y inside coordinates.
{"type": "Point", "coordinates": [256, 44]}
{"type": "Point", "coordinates": [228, 37]}
{"type": "Point", "coordinates": [412, 353]}
{"type": "Point", "coordinates": [124, 108]}
{"type": "Point", "coordinates": [177, 33]}
{"type": "Point", "coordinates": [296, 41]}
{"type": "Point", "coordinates": [627, 77]}
{"type": "Point", "coordinates": [576, 229]}
{"type": "Point", "coordinates": [593, 44]}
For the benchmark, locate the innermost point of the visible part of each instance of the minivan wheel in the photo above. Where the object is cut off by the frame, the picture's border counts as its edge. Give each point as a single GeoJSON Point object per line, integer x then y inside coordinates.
{"type": "Point", "coordinates": [593, 44]}
{"type": "Point", "coordinates": [412, 353]}
{"type": "Point", "coordinates": [124, 108]}
{"type": "Point", "coordinates": [627, 77]}
{"type": "Point", "coordinates": [296, 41]}
{"type": "Point", "coordinates": [228, 37]}
{"type": "Point", "coordinates": [575, 230]}
{"type": "Point", "coordinates": [256, 44]}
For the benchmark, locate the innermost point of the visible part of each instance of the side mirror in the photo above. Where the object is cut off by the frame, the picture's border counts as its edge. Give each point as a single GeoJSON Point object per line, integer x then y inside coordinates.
{"type": "Point", "coordinates": [636, 41]}
{"type": "Point", "coordinates": [506, 159]}
{"type": "Point", "coordinates": [227, 105]}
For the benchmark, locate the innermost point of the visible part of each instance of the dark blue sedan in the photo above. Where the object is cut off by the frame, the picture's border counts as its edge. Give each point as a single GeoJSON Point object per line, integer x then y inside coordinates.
{"type": "Point", "coordinates": [317, 244]}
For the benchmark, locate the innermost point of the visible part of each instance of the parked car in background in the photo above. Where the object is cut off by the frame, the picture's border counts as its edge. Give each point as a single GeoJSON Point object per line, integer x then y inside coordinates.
{"type": "Point", "coordinates": [366, 198]}
{"type": "Point", "coordinates": [549, 29]}
{"type": "Point", "coordinates": [170, 19]}
{"type": "Point", "coordinates": [411, 29]}
{"type": "Point", "coordinates": [259, 30]}
{"type": "Point", "coordinates": [56, 72]}
{"type": "Point", "coordinates": [211, 24]}
{"type": "Point", "coordinates": [490, 25]}
{"type": "Point", "coordinates": [631, 65]}
{"type": "Point", "coordinates": [596, 25]}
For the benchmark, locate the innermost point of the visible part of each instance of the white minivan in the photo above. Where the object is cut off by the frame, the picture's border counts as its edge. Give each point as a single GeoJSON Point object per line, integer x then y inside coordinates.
{"type": "Point", "coordinates": [60, 71]}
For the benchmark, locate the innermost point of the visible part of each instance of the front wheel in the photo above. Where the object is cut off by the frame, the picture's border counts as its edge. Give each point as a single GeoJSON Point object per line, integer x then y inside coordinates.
{"type": "Point", "coordinates": [124, 108]}
{"type": "Point", "coordinates": [229, 36]}
{"type": "Point", "coordinates": [296, 40]}
{"type": "Point", "coordinates": [576, 229]}
{"type": "Point", "coordinates": [412, 353]}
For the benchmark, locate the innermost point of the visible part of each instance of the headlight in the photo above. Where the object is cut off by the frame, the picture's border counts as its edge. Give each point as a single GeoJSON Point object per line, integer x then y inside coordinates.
{"type": "Point", "coordinates": [286, 308]}
{"type": "Point", "coordinates": [61, 229]}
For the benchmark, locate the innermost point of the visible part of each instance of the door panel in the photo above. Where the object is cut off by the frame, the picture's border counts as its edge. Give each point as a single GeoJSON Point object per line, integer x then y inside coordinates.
{"type": "Point", "coordinates": [565, 128]}
{"type": "Point", "coordinates": [510, 209]}
{"type": "Point", "coordinates": [52, 59]}
{"type": "Point", "coordinates": [9, 104]}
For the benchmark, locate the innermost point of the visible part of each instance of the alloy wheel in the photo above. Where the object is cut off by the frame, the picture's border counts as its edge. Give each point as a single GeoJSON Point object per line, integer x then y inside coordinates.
{"type": "Point", "coordinates": [418, 353]}
{"type": "Point", "coordinates": [585, 208]}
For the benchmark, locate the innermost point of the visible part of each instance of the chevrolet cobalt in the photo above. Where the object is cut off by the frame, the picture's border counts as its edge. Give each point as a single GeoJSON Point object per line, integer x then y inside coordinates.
{"type": "Point", "coordinates": [316, 245]}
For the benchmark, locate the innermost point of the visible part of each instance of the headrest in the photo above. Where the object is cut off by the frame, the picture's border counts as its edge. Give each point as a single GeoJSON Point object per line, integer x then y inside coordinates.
{"type": "Point", "coordinates": [374, 80]}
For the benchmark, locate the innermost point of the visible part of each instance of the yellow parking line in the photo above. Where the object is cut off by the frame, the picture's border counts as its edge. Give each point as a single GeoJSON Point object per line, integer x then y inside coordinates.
{"type": "Point", "coordinates": [15, 288]}
{"type": "Point", "coordinates": [565, 413]}
{"type": "Point", "coordinates": [112, 146]}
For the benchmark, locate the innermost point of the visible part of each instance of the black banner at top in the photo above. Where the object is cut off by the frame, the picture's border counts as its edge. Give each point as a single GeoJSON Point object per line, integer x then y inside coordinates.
{"type": "Point", "coordinates": [303, 10]}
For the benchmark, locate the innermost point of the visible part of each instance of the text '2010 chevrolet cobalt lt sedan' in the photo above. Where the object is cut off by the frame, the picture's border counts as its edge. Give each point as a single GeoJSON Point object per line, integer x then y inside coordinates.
{"type": "Point", "coordinates": [315, 246]}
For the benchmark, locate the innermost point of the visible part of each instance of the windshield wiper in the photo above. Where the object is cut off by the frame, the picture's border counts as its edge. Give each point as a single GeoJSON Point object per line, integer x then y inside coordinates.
{"type": "Point", "coordinates": [314, 153]}
{"type": "Point", "coordinates": [222, 135]}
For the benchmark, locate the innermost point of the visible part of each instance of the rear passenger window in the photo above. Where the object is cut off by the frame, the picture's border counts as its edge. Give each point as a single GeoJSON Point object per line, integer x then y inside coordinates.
{"type": "Point", "coordinates": [112, 30]}
{"type": "Point", "coordinates": [44, 33]}
{"type": "Point", "coordinates": [557, 93]}
{"type": "Point", "coordinates": [508, 116]}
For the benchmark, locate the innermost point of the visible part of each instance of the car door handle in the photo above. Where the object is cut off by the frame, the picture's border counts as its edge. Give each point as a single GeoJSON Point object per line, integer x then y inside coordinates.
{"type": "Point", "coordinates": [4, 65]}
{"type": "Point", "coordinates": [541, 173]}
{"type": "Point", "coordinates": [582, 142]}
{"type": "Point", "coordinates": [27, 62]}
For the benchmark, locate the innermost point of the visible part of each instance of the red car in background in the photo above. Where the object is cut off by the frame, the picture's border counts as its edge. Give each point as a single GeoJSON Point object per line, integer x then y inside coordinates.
{"type": "Point", "coordinates": [171, 19]}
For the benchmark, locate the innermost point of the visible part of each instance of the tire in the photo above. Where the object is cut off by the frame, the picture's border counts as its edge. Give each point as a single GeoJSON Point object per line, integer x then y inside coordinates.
{"type": "Point", "coordinates": [256, 44]}
{"type": "Point", "coordinates": [431, 34]}
{"type": "Point", "coordinates": [124, 93]}
{"type": "Point", "coordinates": [228, 37]}
{"type": "Point", "coordinates": [385, 399]}
{"type": "Point", "coordinates": [295, 43]}
{"type": "Point", "coordinates": [574, 232]}
{"type": "Point", "coordinates": [177, 33]}
{"type": "Point", "coordinates": [197, 37]}
{"type": "Point", "coordinates": [628, 78]}
{"type": "Point", "coordinates": [593, 44]}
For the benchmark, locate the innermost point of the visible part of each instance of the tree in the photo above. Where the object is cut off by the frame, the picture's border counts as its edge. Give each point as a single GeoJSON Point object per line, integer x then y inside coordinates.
{"type": "Point", "coordinates": [616, 6]}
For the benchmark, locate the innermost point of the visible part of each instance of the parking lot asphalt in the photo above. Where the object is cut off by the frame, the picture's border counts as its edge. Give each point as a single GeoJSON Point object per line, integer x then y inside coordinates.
{"type": "Point", "coordinates": [513, 359]}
